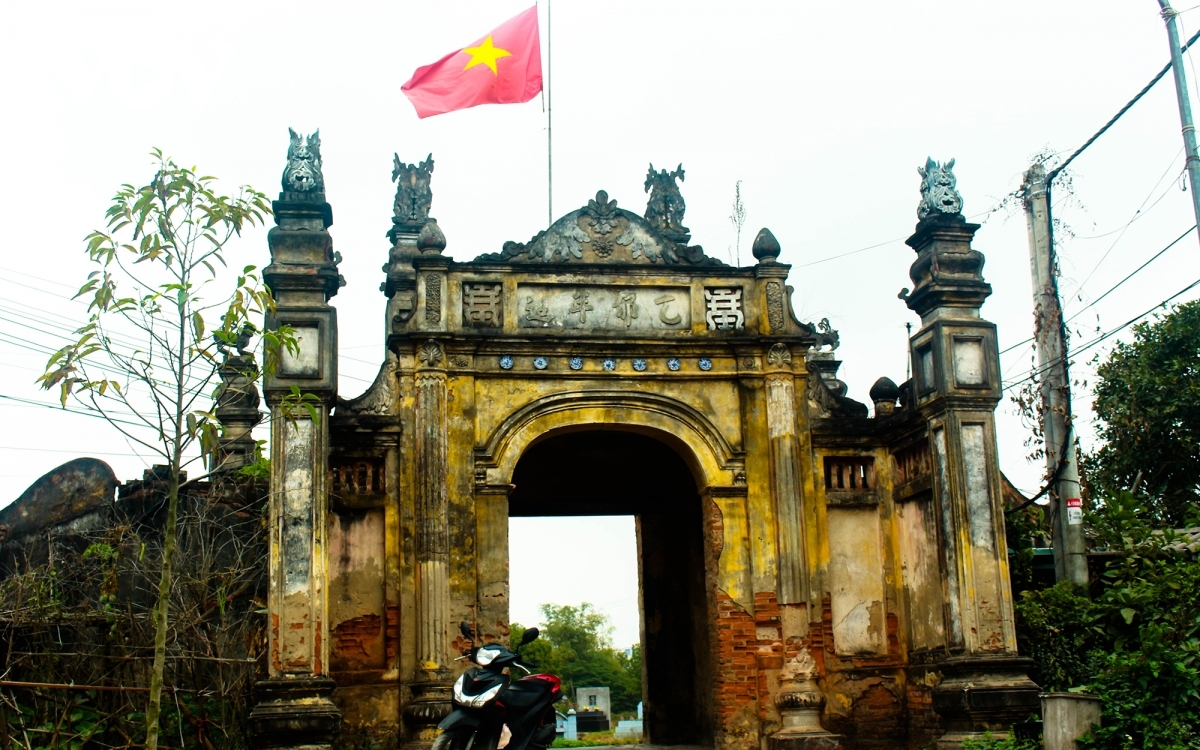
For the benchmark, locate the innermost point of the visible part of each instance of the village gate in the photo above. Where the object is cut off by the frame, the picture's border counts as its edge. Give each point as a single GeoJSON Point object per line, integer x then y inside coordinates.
{"type": "Point", "coordinates": [814, 573]}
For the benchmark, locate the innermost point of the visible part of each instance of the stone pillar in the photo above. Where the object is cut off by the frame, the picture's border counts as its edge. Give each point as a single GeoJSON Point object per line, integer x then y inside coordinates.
{"type": "Point", "coordinates": [237, 405]}
{"type": "Point", "coordinates": [785, 470]}
{"type": "Point", "coordinates": [491, 545]}
{"type": "Point", "coordinates": [293, 707]}
{"type": "Point", "coordinates": [431, 684]}
{"type": "Point", "coordinates": [956, 386]}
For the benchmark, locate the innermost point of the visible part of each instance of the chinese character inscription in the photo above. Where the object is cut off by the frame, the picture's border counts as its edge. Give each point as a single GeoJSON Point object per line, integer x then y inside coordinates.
{"type": "Point", "coordinates": [482, 305]}
{"type": "Point", "coordinates": [604, 308]}
{"type": "Point", "coordinates": [723, 309]}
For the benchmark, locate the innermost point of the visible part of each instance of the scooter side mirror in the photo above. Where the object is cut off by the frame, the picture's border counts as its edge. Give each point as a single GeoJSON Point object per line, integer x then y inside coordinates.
{"type": "Point", "coordinates": [530, 635]}
{"type": "Point", "coordinates": [464, 627]}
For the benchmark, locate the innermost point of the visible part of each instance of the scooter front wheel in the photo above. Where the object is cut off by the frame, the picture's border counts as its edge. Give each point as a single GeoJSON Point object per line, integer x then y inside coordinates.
{"type": "Point", "coordinates": [452, 740]}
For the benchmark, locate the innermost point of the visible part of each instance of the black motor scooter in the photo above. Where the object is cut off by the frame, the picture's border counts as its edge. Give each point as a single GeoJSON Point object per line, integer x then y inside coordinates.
{"type": "Point", "coordinates": [486, 699]}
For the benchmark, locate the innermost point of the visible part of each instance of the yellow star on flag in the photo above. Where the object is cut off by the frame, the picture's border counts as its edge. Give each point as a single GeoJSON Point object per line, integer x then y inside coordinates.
{"type": "Point", "coordinates": [486, 54]}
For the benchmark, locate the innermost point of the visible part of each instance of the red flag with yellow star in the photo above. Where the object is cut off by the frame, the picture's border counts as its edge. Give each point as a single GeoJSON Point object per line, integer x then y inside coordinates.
{"type": "Point", "coordinates": [504, 67]}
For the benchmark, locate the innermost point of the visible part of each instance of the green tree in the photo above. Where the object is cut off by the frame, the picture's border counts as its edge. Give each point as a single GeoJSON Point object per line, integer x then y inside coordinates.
{"type": "Point", "coordinates": [147, 357]}
{"type": "Point", "coordinates": [576, 646]}
{"type": "Point", "coordinates": [1147, 401]}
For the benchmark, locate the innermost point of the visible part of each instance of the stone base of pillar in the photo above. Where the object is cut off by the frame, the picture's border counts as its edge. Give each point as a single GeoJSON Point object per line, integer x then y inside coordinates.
{"type": "Point", "coordinates": [981, 694]}
{"type": "Point", "coordinates": [295, 713]}
{"type": "Point", "coordinates": [824, 741]}
{"type": "Point", "coordinates": [430, 704]}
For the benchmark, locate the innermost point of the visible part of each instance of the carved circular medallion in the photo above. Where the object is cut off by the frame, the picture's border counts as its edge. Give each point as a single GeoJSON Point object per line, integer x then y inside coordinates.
{"type": "Point", "coordinates": [610, 364]}
{"type": "Point", "coordinates": [639, 365]}
{"type": "Point", "coordinates": [673, 364]}
{"type": "Point", "coordinates": [576, 363]}
{"type": "Point", "coordinates": [705, 364]}
{"type": "Point", "coordinates": [540, 362]}
{"type": "Point", "coordinates": [506, 362]}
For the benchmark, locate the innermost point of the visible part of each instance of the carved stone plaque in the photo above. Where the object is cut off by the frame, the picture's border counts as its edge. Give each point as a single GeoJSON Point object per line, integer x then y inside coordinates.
{"type": "Point", "coordinates": [614, 308]}
{"type": "Point", "coordinates": [723, 309]}
{"type": "Point", "coordinates": [482, 305]}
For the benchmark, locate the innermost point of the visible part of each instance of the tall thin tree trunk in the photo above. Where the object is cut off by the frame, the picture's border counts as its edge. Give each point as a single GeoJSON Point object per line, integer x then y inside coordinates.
{"type": "Point", "coordinates": [160, 613]}
{"type": "Point", "coordinates": [162, 606]}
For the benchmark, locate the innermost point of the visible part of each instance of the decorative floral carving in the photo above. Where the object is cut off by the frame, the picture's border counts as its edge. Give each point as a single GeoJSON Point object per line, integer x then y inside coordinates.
{"type": "Point", "coordinates": [775, 306]}
{"type": "Point", "coordinates": [779, 355]}
{"type": "Point", "coordinates": [459, 360]}
{"type": "Point", "coordinates": [601, 214]}
{"type": "Point", "coordinates": [430, 353]}
{"type": "Point", "coordinates": [603, 245]}
{"type": "Point", "coordinates": [433, 298]}
{"type": "Point", "coordinates": [562, 242]}
{"type": "Point", "coordinates": [605, 228]}
{"type": "Point", "coordinates": [939, 190]}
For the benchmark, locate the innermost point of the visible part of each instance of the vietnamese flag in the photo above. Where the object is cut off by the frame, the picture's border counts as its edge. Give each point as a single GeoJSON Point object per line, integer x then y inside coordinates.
{"type": "Point", "coordinates": [504, 67]}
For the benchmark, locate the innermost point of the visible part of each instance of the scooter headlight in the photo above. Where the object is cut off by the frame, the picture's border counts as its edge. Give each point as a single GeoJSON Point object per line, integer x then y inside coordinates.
{"type": "Point", "coordinates": [474, 701]}
{"type": "Point", "coordinates": [486, 655]}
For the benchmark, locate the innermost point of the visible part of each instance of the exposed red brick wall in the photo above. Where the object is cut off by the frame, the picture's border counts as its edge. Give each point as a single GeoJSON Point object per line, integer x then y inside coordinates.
{"type": "Point", "coordinates": [878, 721]}
{"type": "Point", "coordinates": [391, 634]}
{"type": "Point", "coordinates": [351, 639]}
{"type": "Point", "coordinates": [748, 648]}
{"type": "Point", "coordinates": [924, 725]}
{"type": "Point", "coordinates": [886, 711]}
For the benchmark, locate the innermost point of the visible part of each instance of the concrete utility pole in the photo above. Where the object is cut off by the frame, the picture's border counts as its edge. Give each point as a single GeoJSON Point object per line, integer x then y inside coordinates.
{"type": "Point", "coordinates": [1185, 105]}
{"type": "Point", "coordinates": [1066, 512]}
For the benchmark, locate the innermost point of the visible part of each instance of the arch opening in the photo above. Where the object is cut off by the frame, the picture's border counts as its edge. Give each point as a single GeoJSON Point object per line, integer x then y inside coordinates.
{"type": "Point", "coordinates": [601, 472]}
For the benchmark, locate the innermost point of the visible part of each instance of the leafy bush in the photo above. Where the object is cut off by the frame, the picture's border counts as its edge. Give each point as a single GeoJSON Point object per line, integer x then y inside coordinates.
{"type": "Point", "coordinates": [1057, 627]}
{"type": "Point", "coordinates": [1005, 743]}
{"type": "Point", "coordinates": [1136, 644]}
{"type": "Point", "coordinates": [1150, 696]}
{"type": "Point", "coordinates": [1150, 616]}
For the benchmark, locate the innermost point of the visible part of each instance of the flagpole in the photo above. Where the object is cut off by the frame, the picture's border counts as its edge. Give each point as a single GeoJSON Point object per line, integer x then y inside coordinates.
{"type": "Point", "coordinates": [549, 123]}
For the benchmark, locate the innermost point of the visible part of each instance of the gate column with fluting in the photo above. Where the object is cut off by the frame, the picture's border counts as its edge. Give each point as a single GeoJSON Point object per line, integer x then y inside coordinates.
{"type": "Point", "coordinates": [955, 387]}
{"type": "Point", "coordinates": [431, 684]}
{"type": "Point", "coordinates": [293, 708]}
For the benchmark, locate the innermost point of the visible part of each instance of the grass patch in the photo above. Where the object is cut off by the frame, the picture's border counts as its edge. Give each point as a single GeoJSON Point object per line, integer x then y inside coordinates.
{"type": "Point", "coordinates": [596, 739]}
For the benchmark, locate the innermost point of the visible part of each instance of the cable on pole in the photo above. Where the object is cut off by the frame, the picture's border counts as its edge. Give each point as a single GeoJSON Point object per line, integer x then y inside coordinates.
{"type": "Point", "coordinates": [1146, 89]}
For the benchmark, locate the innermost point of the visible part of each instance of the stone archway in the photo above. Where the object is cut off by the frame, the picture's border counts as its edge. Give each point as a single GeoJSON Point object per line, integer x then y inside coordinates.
{"type": "Point", "coordinates": [607, 471]}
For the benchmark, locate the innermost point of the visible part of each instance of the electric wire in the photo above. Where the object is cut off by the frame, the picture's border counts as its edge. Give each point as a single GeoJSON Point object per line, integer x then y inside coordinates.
{"type": "Point", "coordinates": [1104, 336]}
{"type": "Point", "coordinates": [1112, 121]}
{"type": "Point", "coordinates": [1111, 289]}
{"type": "Point", "coordinates": [1137, 215]}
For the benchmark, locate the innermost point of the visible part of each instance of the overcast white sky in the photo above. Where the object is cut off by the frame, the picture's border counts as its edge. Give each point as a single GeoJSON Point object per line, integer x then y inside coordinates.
{"type": "Point", "coordinates": [823, 110]}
